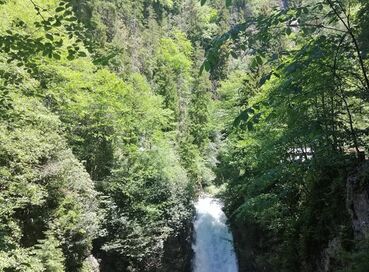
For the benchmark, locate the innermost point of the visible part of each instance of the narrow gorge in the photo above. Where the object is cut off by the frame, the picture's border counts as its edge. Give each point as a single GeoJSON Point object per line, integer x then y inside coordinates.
{"type": "Point", "coordinates": [184, 136]}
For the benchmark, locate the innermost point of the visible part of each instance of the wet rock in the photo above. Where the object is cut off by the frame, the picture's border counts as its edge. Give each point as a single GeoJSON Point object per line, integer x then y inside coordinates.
{"type": "Point", "coordinates": [329, 259]}
{"type": "Point", "coordinates": [178, 252]}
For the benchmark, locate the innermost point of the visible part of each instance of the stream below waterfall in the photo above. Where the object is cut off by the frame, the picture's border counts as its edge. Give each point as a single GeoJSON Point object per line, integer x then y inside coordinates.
{"type": "Point", "coordinates": [213, 241]}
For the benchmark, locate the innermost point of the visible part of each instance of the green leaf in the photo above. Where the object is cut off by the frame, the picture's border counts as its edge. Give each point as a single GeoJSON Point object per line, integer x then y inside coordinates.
{"type": "Point", "coordinates": [265, 78]}
{"type": "Point", "coordinates": [203, 2]}
{"type": "Point", "coordinates": [59, 9]}
{"type": "Point", "coordinates": [250, 126]}
{"type": "Point", "coordinates": [49, 36]}
{"type": "Point", "coordinates": [234, 54]}
{"type": "Point", "coordinates": [259, 60]}
{"type": "Point", "coordinates": [254, 64]}
{"type": "Point", "coordinates": [56, 56]}
{"type": "Point", "coordinates": [67, 13]}
{"type": "Point", "coordinates": [256, 117]}
{"type": "Point", "coordinates": [59, 43]}
{"type": "Point", "coordinates": [57, 23]}
{"type": "Point", "coordinates": [228, 3]}
{"type": "Point", "coordinates": [242, 118]}
{"type": "Point", "coordinates": [82, 54]}
{"type": "Point", "coordinates": [207, 66]}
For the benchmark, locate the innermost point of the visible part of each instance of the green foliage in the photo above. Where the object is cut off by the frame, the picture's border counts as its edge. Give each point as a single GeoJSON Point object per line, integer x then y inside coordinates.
{"type": "Point", "coordinates": [172, 73]}
{"type": "Point", "coordinates": [48, 208]}
{"type": "Point", "coordinates": [151, 190]}
{"type": "Point", "coordinates": [48, 33]}
{"type": "Point", "coordinates": [290, 115]}
{"type": "Point", "coordinates": [108, 131]}
{"type": "Point", "coordinates": [126, 151]}
{"type": "Point", "coordinates": [123, 87]}
{"type": "Point", "coordinates": [356, 259]}
{"type": "Point", "coordinates": [44, 256]}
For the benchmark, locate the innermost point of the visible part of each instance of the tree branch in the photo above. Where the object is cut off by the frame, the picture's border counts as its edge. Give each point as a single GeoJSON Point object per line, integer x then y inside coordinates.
{"type": "Point", "coordinates": [356, 44]}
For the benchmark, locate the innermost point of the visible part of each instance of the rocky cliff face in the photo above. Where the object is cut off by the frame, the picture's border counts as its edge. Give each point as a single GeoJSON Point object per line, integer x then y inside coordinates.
{"type": "Point", "coordinates": [346, 250]}
{"type": "Point", "coordinates": [246, 238]}
{"type": "Point", "coordinates": [357, 201]}
{"type": "Point", "coordinates": [329, 261]}
{"type": "Point", "coordinates": [178, 251]}
{"type": "Point", "coordinates": [357, 205]}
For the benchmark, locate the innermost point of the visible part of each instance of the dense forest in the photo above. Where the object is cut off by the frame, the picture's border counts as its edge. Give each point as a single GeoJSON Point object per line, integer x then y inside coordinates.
{"type": "Point", "coordinates": [116, 114]}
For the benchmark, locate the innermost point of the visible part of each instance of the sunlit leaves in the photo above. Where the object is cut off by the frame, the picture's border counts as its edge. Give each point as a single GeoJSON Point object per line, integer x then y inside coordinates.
{"type": "Point", "coordinates": [256, 32]}
{"type": "Point", "coordinates": [23, 47]}
{"type": "Point", "coordinates": [227, 2]}
{"type": "Point", "coordinates": [288, 31]}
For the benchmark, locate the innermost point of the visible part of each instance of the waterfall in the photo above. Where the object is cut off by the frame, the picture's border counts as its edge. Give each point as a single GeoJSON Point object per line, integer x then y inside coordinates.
{"type": "Point", "coordinates": [213, 244]}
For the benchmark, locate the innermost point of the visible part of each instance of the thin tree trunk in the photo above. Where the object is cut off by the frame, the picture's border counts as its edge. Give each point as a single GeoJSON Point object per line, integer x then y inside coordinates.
{"type": "Point", "coordinates": [347, 25]}
{"type": "Point", "coordinates": [351, 123]}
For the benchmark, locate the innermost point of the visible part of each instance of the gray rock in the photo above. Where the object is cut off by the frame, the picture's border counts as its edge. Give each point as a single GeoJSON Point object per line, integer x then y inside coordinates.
{"type": "Point", "coordinates": [357, 203]}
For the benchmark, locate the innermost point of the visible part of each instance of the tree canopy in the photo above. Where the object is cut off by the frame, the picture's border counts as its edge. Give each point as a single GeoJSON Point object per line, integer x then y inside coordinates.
{"type": "Point", "coordinates": [116, 115]}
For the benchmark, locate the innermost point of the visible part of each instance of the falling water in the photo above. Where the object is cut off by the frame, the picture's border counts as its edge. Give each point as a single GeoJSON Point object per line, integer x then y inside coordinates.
{"type": "Point", "coordinates": [213, 245]}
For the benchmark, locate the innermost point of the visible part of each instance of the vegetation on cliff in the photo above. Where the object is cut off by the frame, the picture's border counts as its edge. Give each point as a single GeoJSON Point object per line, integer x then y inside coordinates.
{"type": "Point", "coordinates": [104, 130]}
{"type": "Point", "coordinates": [113, 114]}
{"type": "Point", "coordinates": [294, 116]}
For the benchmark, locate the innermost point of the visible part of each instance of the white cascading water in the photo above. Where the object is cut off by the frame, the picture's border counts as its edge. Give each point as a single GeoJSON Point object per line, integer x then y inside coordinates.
{"type": "Point", "coordinates": [213, 245]}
